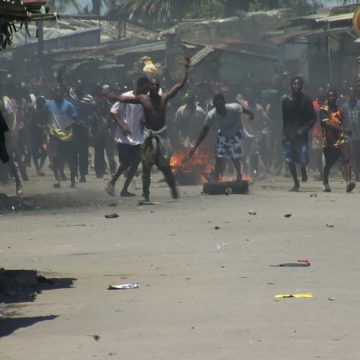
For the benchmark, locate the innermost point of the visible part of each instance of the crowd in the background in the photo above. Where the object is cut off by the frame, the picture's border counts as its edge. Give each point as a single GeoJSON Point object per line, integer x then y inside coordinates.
{"type": "Point", "coordinates": [86, 147]}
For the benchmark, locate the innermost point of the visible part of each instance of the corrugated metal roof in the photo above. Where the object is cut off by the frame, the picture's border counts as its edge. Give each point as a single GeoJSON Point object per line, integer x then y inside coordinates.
{"type": "Point", "coordinates": [202, 54]}
{"type": "Point", "coordinates": [335, 18]}
{"type": "Point", "coordinates": [287, 37]}
{"type": "Point", "coordinates": [320, 18]}
{"type": "Point", "coordinates": [144, 48]}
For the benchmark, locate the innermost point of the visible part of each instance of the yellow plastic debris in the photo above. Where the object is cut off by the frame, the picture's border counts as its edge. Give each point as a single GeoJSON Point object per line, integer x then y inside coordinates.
{"type": "Point", "coordinates": [297, 296]}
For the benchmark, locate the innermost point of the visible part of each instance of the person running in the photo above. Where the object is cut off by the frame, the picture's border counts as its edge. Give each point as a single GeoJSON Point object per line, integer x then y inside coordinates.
{"type": "Point", "coordinates": [229, 141]}
{"type": "Point", "coordinates": [157, 148]}
{"type": "Point", "coordinates": [299, 117]}
{"type": "Point", "coordinates": [60, 116]}
{"type": "Point", "coordinates": [102, 138]}
{"type": "Point", "coordinates": [128, 136]}
{"type": "Point", "coordinates": [38, 135]}
{"type": "Point", "coordinates": [85, 107]}
{"type": "Point", "coordinates": [257, 129]}
{"type": "Point", "coordinates": [335, 141]}
{"type": "Point", "coordinates": [351, 112]}
{"type": "Point", "coordinates": [316, 153]}
{"type": "Point", "coordinates": [5, 157]}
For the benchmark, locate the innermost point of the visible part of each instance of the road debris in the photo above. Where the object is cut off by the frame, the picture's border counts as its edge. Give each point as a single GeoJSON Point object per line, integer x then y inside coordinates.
{"type": "Point", "coordinates": [144, 202]}
{"type": "Point", "coordinates": [299, 263]}
{"type": "Point", "coordinates": [112, 216]}
{"type": "Point", "coordinates": [297, 296]}
{"type": "Point", "coordinates": [221, 246]}
{"type": "Point", "coordinates": [124, 286]}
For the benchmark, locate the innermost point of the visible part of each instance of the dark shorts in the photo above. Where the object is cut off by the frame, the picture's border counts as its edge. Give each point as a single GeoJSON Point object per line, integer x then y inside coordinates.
{"type": "Point", "coordinates": [129, 153]}
{"type": "Point", "coordinates": [61, 149]}
{"type": "Point", "coordinates": [296, 152]}
{"type": "Point", "coordinates": [333, 154]}
{"type": "Point", "coordinates": [4, 155]}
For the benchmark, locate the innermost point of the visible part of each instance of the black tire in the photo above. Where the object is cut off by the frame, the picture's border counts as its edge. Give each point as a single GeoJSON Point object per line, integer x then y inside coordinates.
{"type": "Point", "coordinates": [226, 188]}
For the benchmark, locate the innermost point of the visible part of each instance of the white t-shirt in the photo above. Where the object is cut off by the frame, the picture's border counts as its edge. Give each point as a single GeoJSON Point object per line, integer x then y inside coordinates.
{"type": "Point", "coordinates": [133, 117]}
{"type": "Point", "coordinates": [229, 123]}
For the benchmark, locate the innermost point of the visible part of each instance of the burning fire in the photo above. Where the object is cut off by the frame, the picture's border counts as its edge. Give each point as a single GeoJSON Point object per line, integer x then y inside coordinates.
{"type": "Point", "coordinates": [200, 164]}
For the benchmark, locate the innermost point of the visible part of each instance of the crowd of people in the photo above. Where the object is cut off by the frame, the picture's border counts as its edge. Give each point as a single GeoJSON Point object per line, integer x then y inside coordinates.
{"type": "Point", "coordinates": [259, 126]}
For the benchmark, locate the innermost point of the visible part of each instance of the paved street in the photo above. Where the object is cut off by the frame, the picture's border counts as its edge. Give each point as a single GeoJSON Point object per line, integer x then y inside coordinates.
{"type": "Point", "coordinates": [203, 264]}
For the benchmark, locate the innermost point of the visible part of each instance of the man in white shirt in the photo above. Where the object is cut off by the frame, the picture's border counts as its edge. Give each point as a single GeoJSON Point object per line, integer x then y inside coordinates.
{"type": "Point", "coordinates": [128, 136]}
{"type": "Point", "coordinates": [188, 121]}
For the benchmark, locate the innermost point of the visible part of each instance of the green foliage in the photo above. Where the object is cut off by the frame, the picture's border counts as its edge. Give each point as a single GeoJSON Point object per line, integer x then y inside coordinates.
{"type": "Point", "coordinates": [160, 11]}
{"type": "Point", "coordinates": [213, 9]}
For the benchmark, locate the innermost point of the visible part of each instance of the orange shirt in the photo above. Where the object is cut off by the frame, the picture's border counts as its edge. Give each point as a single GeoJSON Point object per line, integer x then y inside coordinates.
{"type": "Point", "coordinates": [332, 137]}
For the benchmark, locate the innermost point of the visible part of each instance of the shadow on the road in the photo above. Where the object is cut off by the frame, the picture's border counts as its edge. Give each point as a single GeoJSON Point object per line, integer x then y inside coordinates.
{"type": "Point", "coordinates": [18, 286]}
{"type": "Point", "coordinates": [23, 285]}
{"type": "Point", "coordinates": [9, 325]}
{"type": "Point", "coordinates": [53, 201]}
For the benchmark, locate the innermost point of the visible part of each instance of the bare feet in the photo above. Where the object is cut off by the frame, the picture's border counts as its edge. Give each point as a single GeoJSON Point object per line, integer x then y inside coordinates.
{"type": "Point", "coordinates": [110, 189]}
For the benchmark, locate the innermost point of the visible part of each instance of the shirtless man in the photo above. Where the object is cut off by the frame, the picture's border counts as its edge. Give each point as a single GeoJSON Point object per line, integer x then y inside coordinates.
{"type": "Point", "coordinates": [156, 148]}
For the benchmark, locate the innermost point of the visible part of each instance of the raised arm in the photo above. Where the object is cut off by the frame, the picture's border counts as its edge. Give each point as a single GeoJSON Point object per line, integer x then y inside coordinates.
{"type": "Point", "coordinates": [125, 99]}
{"type": "Point", "coordinates": [176, 88]}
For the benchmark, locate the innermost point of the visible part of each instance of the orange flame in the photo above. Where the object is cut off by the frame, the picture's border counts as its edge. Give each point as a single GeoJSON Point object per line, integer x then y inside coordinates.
{"type": "Point", "coordinates": [200, 164]}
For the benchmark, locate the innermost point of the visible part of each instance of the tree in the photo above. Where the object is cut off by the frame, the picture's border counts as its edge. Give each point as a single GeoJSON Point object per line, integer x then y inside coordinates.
{"type": "Point", "coordinates": [160, 11]}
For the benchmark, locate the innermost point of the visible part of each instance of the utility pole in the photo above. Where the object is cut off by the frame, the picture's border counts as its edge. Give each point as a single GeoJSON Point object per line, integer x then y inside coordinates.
{"type": "Point", "coordinates": [40, 35]}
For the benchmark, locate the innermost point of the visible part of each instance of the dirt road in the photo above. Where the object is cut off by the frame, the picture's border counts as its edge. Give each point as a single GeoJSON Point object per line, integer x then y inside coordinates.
{"type": "Point", "coordinates": [203, 264]}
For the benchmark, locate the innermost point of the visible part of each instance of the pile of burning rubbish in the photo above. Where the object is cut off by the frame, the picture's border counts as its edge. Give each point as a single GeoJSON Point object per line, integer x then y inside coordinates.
{"type": "Point", "coordinates": [195, 170]}
{"type": "Point", "coordinates": [198, 170]}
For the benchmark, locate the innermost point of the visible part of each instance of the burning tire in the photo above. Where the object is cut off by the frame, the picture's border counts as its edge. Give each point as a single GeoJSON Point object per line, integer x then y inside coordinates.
{"type": "Point", "coordinates": [226, 188]}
